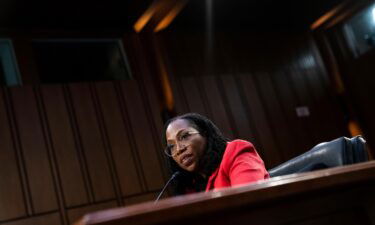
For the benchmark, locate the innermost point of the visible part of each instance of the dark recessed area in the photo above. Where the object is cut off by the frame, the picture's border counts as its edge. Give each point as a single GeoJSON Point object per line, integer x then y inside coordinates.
{"type": "Point", "coordinates": [79, 61]}
{"type": "Point", "coordinates": [2, 78]}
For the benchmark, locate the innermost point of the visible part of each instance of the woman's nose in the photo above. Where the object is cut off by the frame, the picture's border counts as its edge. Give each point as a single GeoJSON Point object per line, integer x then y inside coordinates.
{"type": "Point", "coordinates": [180, 148]}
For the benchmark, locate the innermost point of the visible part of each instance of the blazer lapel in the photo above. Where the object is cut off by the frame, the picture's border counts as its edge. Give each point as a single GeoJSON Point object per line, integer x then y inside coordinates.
{"type": "Point", "coordinates": [211, 179]}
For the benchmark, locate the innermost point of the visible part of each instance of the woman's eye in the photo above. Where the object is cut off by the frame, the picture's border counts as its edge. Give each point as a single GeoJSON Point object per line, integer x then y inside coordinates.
{"type": "Point", "coordinates": [184, 136]}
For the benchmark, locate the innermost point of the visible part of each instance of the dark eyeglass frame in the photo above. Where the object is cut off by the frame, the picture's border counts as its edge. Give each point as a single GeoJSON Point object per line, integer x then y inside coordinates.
{"type": "Point", "coordinates": [180, 140]}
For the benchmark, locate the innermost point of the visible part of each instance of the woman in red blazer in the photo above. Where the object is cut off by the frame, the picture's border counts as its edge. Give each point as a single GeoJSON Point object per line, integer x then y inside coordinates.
{"type": "Point", "coordinates": [205, 160]}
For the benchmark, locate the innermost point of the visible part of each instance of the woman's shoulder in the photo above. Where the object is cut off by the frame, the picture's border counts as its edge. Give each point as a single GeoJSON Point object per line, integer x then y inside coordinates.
{"type": "Point", "coordinates": [237, 150]}
{"type": "Point", "coordinates": [238, 146]}
{"type": "Point", "coordinates": [238, 143]}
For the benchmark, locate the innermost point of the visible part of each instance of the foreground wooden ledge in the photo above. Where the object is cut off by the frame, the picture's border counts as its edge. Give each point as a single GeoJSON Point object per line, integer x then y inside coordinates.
{"type": "Point", "coordinates": [342, 195]}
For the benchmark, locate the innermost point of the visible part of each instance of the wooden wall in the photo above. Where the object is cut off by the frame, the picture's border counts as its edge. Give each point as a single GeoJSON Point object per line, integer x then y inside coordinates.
{"type": "Point", "coordinates": [353, 74]}
{"type": "Point", "coordinates": [70, 149]}
{"type": "Point", "coordinates": [250, 85]}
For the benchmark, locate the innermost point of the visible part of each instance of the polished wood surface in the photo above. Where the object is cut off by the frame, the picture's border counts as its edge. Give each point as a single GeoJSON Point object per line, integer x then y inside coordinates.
{"type": "Point", "coordinates": [342, 195]}
{"type": "Point", "coordinates": [70, 149]}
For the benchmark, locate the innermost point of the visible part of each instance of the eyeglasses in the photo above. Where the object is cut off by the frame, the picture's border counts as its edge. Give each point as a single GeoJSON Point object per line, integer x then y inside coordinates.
{"type": "Point", "coordinates": [183, 140]}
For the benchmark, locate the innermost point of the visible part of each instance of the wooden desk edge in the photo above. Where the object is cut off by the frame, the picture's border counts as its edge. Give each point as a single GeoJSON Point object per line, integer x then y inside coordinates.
{"type": "Point", "coordinates": [249, 194]}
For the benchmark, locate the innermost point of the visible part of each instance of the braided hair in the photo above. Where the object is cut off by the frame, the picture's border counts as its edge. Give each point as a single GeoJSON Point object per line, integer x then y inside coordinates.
{"type": "Point", "coordinates": [212, 156]}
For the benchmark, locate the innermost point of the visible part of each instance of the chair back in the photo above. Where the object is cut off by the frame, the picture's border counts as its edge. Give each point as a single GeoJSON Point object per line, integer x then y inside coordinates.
{"type": "Point", "coordinates": [341, 151]}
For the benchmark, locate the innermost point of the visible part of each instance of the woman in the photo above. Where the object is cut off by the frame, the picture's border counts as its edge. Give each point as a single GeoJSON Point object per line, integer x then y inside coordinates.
{"type": "Point", "coordinates": [205, 159]}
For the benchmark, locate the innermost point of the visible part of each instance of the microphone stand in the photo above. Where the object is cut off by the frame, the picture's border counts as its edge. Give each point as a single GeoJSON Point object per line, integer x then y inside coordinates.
{"type": "Point", "coordinates": [166, 185]}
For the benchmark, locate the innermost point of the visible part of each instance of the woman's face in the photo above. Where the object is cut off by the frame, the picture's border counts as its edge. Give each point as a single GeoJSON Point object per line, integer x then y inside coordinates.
{"type": "Point", "coordinates": [185, 144]}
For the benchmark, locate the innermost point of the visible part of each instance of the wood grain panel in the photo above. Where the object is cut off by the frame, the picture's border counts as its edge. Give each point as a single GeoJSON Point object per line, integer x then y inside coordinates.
{"type": "Point", "coordinates": [119, 139]}
{"type": "Point", "coordinates": [140, 130]}
{"type": "Point", "coordinates": [238, 111]}
{"type": "Point", "coordinates": [48, 219]}
{"type": "Point", "coordinates": [180, 101]}
{"type": "Point", "coordinates": [149, 84]}
{"type": "Point", "coordinates": [175, 66]}
{"type": "Point", "coordinates": [326, 85]}
{"type": "Point", "coordinates": [92, 142]}
{"type": "Point", "coordinates": [153, 99]}
{"type": "Point", "coordinates": [328, 120]}
{"type": "Point", "coordinates": [64, 146]}
{"type": "Point", "coordinates": [284, 139]}
{"type": "Point", "coordinates": [193, 96]}
{"type": "Point", "coordinates": [12, 203]}
{"type": "Point", "coordinates": [271, 153]}
{"type": "Point", "coordinates": [216, 105]}
{"type": "Point", "coordinates": [288, 99]}
{"type": "Point", "coordinates": [303, 96]}
{"type": "Point", "coordinates": [76, 213]}
{"type": "Point", "coordinates": [34, 150]}
{"type": "Point", "coordinates": [326, 109]}
{"type": "Point", "coordinates": [145, 75]}
{"type": "Point", "coordinates": [320, 68]}
{"type": "Point", "coordinates": [156, 119]}
{"type": "Point", "coordinates": [360, 85]}
{"type": "Point", "coordinates": [246, 53]}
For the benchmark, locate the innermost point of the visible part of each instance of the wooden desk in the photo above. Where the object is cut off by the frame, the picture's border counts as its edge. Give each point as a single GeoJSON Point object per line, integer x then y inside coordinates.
{"type": "Point", "coordinates": [342, 195]}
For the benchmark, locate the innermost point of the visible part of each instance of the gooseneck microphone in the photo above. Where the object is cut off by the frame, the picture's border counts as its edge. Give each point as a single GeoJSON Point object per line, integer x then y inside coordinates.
{"type": "Point", "coordinates": [166, 185]}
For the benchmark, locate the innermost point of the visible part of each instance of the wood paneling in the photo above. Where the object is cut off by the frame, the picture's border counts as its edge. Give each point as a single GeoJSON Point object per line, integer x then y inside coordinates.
{"type": "Point", "coordinates": [72, 149]}
{"type": "Point", "coordinates": [92, 143]}
{"type": "Point", "coordinates": [216, 105]}
{"type": "Point", "coordinates": [141, 62]}
{"type": "Point", "coordinates": [193, 95]}
{"type": "Point", "coordinates": [118, 137]}
{"type": "Point", "coordinates": [241, 119]}
{"type": "Point", "coordinates": [321, 93]}
{"type": "Point", "coordinates": [48, 219]}
{"type": "Point", "coordinates": [350, 69]}
{"type": "Point", "coordinates": [143, 137]}
{"type": "Point", "coordinates": [303, 97]}
{"type": "Point", "coordinates": [287, 95]}
{"type": "Point", "coordinates": [284, 138]}
{"type": "Point", "coordinates": [12, 198]}
{"type": "Point", "coordinates": [360, 83]}
{"type": "Point", "coordinates": [34, 150]}
{"type": "Point", "coordinates": [180, 100]}
{"type": "Point", "coordinates": [64, 146]}
{"type": "Point", "coordinates": [256, 84]}
{"type": "Point", "coordinates": [68, 149]}
{"type": "Point", "coordinates": [259, 114]}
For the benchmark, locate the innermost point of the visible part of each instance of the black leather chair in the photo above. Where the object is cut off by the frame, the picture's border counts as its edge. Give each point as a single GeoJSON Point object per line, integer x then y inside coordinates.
{"type": "Point", "coordinates": [341, 151]}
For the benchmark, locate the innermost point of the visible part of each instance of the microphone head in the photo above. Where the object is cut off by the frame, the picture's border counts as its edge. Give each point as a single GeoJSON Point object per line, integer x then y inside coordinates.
{"type": "Point", "coordinates": [175, 174]}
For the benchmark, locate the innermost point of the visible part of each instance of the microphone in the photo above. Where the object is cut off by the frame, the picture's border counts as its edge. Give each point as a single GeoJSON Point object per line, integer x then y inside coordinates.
{"type": "Point", "coordinates": [166, 185]}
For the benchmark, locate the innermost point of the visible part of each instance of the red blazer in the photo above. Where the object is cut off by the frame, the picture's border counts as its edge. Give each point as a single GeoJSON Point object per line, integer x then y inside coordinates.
{"type": "Point", "coordinates": [240, 165]}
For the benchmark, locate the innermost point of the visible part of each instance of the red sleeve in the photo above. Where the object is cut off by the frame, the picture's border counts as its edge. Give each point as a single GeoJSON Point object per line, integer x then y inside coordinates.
{"type": "Point", "coordinates": [245, 165]}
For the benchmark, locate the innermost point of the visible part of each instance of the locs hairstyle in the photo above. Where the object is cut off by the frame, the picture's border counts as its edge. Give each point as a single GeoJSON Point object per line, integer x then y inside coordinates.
{"type": "Point", "coordinates": [215, 147]}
